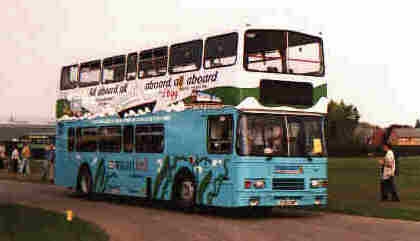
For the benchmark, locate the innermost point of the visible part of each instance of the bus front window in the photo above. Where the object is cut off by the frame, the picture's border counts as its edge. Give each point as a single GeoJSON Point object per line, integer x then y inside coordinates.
{"type": "Point", "coordinates": [284, 52]}
{"type": "Point", "coordinates": [262, 135]}
{"type": "Point", "coordinates": [267, 135]}
{"type": "Point", "coordinates": [305, 136]}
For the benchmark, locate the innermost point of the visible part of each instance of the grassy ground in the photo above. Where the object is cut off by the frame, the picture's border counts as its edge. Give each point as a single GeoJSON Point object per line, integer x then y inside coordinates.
{"type": "Point", "coordinates": [18, 223]}
{"type": "Point", "coordinates": [354, 188]}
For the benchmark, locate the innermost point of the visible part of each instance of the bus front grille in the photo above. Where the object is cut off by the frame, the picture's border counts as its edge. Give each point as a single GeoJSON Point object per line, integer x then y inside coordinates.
{"type": "Point", "coordinates": [288, 184]}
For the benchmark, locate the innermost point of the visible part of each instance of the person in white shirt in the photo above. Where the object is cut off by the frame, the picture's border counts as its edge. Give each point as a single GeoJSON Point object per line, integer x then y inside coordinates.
{"type": "Point", "coordinates": [15, 160]}
{"type": "Point", "coordinates": [387, 175]}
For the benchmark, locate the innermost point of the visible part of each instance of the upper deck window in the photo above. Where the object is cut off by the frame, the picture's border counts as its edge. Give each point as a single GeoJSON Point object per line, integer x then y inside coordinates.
{"type": "Point", "coordinates": [285, 52]}
{"type": "Point", "coordinates": [69, 77]}
{"type": "Point", "coordinates": [90, 73]}
{"type": "Point", "coordinates": [114, 68]}
{"type": "Point", "coordinates": [132, 66]}
{"type": "Point", "coordinates": [221, 51]}
{"type": "Point", "coordinates": [153, 62]}
{"type": "Point", "coordinates": [185, 57]}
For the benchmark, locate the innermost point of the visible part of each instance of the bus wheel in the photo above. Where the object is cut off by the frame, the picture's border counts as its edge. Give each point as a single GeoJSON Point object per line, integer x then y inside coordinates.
{"type": "Point", "coordinates": [185, 193]}
{"type": "Point", "coordinates": [84, 186]}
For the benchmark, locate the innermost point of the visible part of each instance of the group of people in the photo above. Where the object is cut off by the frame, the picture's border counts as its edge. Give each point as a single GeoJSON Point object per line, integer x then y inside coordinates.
{"type": "Point", "coordinates": [19, 162]}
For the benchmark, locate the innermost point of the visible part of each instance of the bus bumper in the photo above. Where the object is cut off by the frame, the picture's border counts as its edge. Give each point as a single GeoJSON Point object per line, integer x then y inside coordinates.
{"type": "Point", "coordinates": [281, 200]}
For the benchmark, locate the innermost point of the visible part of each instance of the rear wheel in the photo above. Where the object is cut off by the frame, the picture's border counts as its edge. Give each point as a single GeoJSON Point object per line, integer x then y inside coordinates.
{"type": "Point", "coordinates": [84, 184]}
{"type": "Point", "coordinates": [185, 193]}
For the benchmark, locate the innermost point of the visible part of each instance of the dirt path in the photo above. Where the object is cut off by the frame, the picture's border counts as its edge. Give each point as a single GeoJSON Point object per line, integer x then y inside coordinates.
{"type": "Point", "coordinates": [125, 221]}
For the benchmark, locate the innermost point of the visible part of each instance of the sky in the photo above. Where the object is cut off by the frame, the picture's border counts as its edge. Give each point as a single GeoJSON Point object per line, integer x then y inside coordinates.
{"type": "Point", "coordinates": [371, 46]}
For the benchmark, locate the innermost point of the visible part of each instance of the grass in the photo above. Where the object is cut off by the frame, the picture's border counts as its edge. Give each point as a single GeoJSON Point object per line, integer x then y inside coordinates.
{"type": "Point", "coordinates": [19, 223]}
{"type": "Point", "coordinates": [354, 188]}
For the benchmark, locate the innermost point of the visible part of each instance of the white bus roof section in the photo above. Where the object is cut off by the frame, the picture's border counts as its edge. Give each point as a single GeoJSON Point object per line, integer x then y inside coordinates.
{"type": "Point", "coordinates": [250, 104]}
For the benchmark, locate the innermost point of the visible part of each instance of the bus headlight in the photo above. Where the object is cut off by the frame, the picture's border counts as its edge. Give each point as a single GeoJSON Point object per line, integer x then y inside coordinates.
{"type": "Point", "coordinates": [254, 183]}
{"type": "Point", "coordinates": [259, 184]}
{"type": "Point", "coordinates": [318, 183]}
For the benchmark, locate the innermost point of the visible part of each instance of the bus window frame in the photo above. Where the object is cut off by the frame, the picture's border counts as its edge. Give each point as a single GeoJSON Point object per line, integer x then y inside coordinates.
{"type": "Point", "coordinates": [133, 138]}
{"type": "Point", "coordinates": [152, 51]}
{"type": "Point", "coordinates": [79, 136]}
{"type": "Point", "coordinates": [236, 34]}
{"type": "Point", "coordinates": [99, 140]}
{"type": "Point", "coordinates": [322, 58]}
{"type": "Point", "coordinates": [93, 83]}
{"type": "Point", "coordinates": [170, 64]}
{"type": "Point", "coordinates": [208, 134]}
{"type": "Point", "coordinates": [162, 125]}
{"type": "Point", "coordinates": [76, 83]}
{"type": "Point", "coordinates": [71, 135]}
{"type": "Point", "coordinates": [136, 66]}
{"type": "Point", "coordinates": [113, 65]}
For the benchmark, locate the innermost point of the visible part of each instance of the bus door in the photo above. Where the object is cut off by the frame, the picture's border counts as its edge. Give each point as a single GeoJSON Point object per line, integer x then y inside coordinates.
{"type": "Point", "coordinates": [219, 149]}
{"type": "Point", "coordinates": [116, 166]}
{"type": "Point", "coordinates": [131, 182]}
{"type": "Point", "coordinates": [149, 146]}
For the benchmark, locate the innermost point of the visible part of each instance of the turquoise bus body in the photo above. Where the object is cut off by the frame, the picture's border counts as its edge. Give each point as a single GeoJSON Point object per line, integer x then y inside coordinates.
{"type": "Point", "coordinates": [219, 178]}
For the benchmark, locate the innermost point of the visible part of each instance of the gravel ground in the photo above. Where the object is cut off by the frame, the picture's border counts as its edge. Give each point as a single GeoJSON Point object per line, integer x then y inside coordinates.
{"type": "Point", "coordinates": [127, 220]}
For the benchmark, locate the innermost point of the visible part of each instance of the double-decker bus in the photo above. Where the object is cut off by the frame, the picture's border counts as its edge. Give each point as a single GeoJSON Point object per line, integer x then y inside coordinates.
{"type": "Point", "coordinates": [229, 119]}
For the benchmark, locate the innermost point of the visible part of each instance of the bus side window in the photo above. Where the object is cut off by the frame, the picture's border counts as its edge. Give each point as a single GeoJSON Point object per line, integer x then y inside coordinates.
{"type": "Point", "coordinates": [221, 51]}
{"type": "Point", "coordinates": [70, 139]}
{"type": "Point", "coordinates": [219, 139]}
{"type": "Point", "coordinates": [128, 137]}
{"type": "Point", "coordinates": [110, 139]}
{"type": "Point", "coordinates": [150, 138]}
{"type": "Point", "coordinates": [86, 139]}
{"type": "Point", "coordinates": [113, 69]}
{"type": "Point", "coordinates": [131, 66]}
{"type": "Point", "coordinates": [69, 77]}
{"type": "Point", "coordinates": [90, 73]}
{"type": "Point", "coordinates": [185, 57]}
{"type": "Point", "coordinates": [153, 62]}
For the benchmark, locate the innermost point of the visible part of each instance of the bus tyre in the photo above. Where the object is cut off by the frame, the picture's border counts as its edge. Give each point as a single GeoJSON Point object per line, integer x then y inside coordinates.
{"type": "Point", "coordinates": [84, 183]}
{"type": "Point", "coordinates": [185, 193]}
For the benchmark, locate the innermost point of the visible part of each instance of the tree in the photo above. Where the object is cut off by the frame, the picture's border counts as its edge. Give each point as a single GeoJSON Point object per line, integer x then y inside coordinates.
{"type": "Point", "coordinates": [342, 121]}
{"type": "Point", "coordinates": [417, 123]}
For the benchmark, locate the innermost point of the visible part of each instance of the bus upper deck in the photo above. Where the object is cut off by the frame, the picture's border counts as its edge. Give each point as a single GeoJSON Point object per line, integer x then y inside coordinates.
{"type": "Point", "coordinates": [275, 67]}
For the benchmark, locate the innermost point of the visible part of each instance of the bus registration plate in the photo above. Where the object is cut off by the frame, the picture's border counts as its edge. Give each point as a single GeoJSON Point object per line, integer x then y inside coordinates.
{"type": "Point", "coordinates": [287, 202]}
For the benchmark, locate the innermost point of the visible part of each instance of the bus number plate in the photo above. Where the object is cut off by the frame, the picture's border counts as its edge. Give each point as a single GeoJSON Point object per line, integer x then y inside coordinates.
{"type": "Point", "coordinates": [287, 202]}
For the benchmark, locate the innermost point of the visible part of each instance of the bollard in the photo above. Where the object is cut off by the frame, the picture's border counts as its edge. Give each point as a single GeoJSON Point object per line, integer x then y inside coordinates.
{"type": "Point", "coordinates": [69, 215]}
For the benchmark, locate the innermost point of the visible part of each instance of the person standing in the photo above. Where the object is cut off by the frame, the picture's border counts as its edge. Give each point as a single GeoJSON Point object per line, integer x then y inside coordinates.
{"type": "Point", "coordinates": [387, 175]}
{"type": "Point", "coordinates": [51, 160]}
{"type": "Point", "coordinates": [45, 164]}
{"type": "Point", "coordinates": [26, 155]}
{"type": "Point", "coordinates": [15, 159]}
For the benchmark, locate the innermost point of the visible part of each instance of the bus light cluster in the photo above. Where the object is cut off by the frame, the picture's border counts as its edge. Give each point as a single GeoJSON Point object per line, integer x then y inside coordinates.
{"type": "Point", "coordinates": [255, 183]}
{"type": "Point", "coordinates": [319, 183]}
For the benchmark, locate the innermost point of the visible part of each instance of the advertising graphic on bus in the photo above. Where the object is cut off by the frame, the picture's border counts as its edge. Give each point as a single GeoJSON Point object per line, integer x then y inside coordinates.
{"type": "Point", "coordinates": [231, 119]}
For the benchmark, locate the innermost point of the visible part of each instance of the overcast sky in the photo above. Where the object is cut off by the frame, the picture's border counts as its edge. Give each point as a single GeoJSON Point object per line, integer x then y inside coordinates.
{"type": "Point", "coordinates": [372, 47]}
